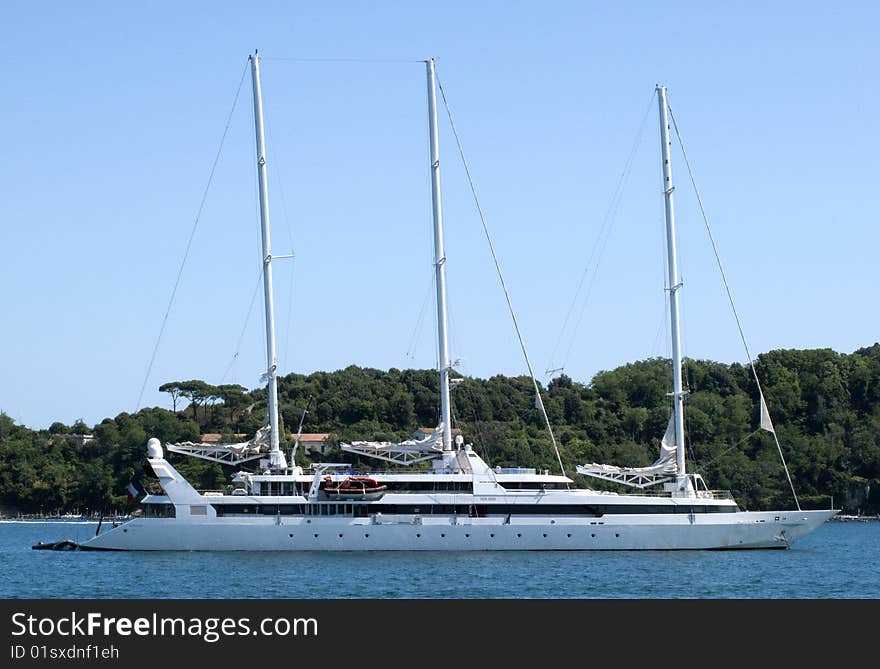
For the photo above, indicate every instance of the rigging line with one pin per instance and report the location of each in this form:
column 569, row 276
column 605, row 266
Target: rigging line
column 664, row 318
column 522, row 345
column 607, row 222
column 730, row 297
column 732, row 446
column 484, row 449
column 478, row 426
column 484, row 444
column 420, row 61
column 244, row 327
column 279, row 181
column 661, row 328
column 586, row 301
column 413, row 341
column 436, row 331
column 287, row 354
column 192, row 235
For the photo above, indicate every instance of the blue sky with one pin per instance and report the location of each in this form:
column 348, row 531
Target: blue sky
column 113, row 113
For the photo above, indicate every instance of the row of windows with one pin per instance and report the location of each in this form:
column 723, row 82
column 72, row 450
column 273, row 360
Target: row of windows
column 532, row 485
column 357, row 510
column 472, row 510
column 279, row 488
column 429, row 486
column 159, row 511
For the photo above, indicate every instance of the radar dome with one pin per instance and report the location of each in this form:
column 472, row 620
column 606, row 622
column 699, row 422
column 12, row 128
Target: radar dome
column 154, row 448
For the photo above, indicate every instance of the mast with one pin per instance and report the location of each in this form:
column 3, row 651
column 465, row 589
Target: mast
column 276, row 457
column 674, row 284
column 439, row 260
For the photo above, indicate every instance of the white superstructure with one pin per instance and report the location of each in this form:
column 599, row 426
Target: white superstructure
column 459, row 502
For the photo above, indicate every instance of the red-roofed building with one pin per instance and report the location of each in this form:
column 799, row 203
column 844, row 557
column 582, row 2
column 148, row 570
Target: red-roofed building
column 315, row 442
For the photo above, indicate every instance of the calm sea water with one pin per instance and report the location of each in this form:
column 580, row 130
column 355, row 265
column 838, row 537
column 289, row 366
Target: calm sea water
column 837, row 561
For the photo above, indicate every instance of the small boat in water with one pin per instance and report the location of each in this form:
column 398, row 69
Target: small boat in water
column 63, row 545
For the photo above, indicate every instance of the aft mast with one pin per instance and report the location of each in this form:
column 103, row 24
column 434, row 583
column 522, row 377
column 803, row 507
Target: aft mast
column 439, row 260
column 276, row 456
column 669, row 468
column 673, row 288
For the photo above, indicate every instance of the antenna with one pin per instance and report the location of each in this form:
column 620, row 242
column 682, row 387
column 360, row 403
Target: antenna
column 299, row 432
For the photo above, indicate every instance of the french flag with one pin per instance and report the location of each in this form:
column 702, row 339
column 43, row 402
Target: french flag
column 134, row 490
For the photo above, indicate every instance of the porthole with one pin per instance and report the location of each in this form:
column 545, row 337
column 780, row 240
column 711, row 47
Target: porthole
column 316, row 536
column 492, row 535
column 552, row 522
column 366, row 536
column 467, row 535
column 442, row 535
column 568, row 535
column 616, row 534
column 340, row 536
column 290, row 535
column 545, row 535
column 417, row 535
column 592, row 535
column 518, row 534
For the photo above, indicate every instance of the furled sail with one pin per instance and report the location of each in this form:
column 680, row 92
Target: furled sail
column 235, row 453
column 663, row 469
column 408, row 451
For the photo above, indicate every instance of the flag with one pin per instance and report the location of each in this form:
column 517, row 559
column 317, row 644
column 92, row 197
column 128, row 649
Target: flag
column 134, row 490
column 766, row 423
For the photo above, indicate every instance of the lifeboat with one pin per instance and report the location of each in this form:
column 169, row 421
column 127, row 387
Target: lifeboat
column 354, row 487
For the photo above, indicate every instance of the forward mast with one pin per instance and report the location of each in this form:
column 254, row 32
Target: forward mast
column 276, row 456
column 673, row 288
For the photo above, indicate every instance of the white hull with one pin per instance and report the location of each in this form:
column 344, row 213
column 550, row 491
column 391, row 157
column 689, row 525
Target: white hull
column 741, row 530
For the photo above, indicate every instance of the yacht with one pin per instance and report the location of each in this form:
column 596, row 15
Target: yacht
column 442, row 495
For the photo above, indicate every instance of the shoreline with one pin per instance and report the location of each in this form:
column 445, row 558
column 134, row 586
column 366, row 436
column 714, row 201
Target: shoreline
column 91, row 518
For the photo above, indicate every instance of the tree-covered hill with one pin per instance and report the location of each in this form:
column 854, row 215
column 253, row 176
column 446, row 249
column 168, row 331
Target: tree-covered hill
column 825, row 408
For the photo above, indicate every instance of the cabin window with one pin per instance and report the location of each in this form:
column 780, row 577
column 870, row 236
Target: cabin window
column 532, row 485
column 236, row 509
column 333, row 509
column 275, row 488
column 159, row 511
column 200, row 510
column 291, row 509
column 429, row 486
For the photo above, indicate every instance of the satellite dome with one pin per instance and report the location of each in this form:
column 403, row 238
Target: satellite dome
column 154, row 448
